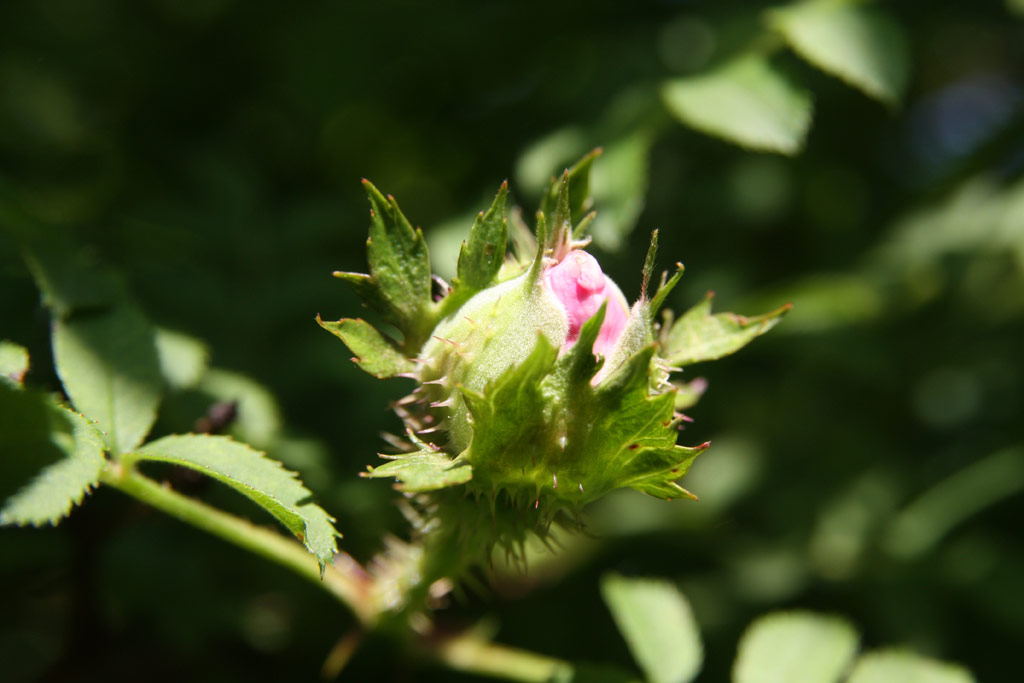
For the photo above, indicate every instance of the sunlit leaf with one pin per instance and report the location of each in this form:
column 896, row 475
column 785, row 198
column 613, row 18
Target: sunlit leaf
column 107, row 361
column 795, row 647
column 61, row 485
column 700, row 336
column 855, row 41
column 183, row 359
column 747, row 101
column 888, row 666
column 658, row 625
column 251, row 473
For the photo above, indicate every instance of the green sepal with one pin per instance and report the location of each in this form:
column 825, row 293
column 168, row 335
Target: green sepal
column 481, row 256
column 366, row 289
column 375, row 353
column 634, row 432
column 572, row 191
column 545, row 434
column 426, row 470
column 14, row 362
column 666, row 286
column 509, row 425
column 62, row 484
column 399, row 268
column 700, row 336
column 578, row 365
column 261, row 479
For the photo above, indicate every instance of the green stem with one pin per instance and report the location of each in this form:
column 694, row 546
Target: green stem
column 469, row 653
column 343, row 580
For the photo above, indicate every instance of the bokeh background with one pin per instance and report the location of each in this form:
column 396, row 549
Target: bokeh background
column 868, row 454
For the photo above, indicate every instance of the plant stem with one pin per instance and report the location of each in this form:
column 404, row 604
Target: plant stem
column 344, row 579
column 472, row 654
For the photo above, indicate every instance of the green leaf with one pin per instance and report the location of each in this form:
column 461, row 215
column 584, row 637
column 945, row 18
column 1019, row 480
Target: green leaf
column 699, row 336
column 375, row 353
column 886, row 666
column 658, row 625
column 13, row 362
column 254, row 475
column 856, row 42
column 68, row 278
column 107, row 361
column 426, row 470
column 619, row 184
column 61, row 485
column 258, row 418
column 399, row 265
column 933, row 515
column 481, row 257
column 795, row 647
column 747, row 102
column 183, row 359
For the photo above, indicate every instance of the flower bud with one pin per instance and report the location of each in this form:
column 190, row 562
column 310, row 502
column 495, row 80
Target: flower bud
column 538, row 388
column 582, row 288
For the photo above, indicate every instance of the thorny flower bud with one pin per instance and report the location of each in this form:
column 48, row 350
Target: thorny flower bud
column 538, row 388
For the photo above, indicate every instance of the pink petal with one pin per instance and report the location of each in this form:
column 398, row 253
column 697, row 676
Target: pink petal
column 581, row 286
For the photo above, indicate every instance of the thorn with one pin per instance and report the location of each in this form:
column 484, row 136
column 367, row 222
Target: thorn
column 447, row 341
column 429, row 430
column 554, row 478
column 536, row 504
column 447, row 403
column 439, row 382
column 581, row 487
column 469, row 320
column 417, row 360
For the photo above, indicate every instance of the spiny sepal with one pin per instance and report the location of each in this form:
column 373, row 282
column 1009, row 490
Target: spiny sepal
column 481, row 256
column 399, row 283
column 374, row 352
column 428, row 469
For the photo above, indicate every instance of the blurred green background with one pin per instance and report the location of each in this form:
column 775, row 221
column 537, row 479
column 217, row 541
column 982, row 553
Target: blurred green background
column 868, row 454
